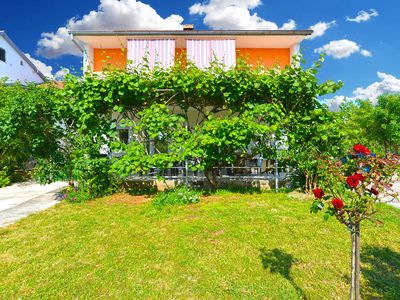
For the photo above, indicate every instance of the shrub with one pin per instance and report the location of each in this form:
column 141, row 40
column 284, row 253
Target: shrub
column 4, row 179
column 75, row 195
column 176, row 196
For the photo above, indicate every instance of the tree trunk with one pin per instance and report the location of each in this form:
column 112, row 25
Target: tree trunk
column 70, row 179
column 355, row 262
column 211, row 178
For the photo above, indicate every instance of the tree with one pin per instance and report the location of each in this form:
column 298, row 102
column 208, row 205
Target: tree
column 27, row 119
column 349, row 191
column 376, row 124
column 387, row 122
column 234, row 107
column 311, row 138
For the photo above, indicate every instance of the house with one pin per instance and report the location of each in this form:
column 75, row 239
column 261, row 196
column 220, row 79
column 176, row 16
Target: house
column 271, row 48
column 15, row 65
column 103, row 49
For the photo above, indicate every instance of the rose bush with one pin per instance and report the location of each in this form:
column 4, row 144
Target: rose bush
column 349, row 190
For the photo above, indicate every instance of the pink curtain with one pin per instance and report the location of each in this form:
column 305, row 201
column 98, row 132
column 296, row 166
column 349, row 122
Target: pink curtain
column 159, row 52
column 203, row 52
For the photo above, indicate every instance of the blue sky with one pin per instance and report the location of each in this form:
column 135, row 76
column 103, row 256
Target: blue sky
column 370, row 46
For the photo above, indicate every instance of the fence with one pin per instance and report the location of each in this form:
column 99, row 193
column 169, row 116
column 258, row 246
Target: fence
column 185, row 174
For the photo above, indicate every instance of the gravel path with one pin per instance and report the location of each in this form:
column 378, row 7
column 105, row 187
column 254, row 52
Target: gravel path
column 19, row 200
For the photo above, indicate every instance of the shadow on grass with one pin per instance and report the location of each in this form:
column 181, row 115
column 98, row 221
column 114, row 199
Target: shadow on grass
column 381, row 270
column 278, row 261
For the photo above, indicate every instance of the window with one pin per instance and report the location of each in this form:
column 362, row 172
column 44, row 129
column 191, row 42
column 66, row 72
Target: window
column 2, row 54
column 155, row 52
column 203, row 52
column 123, row 135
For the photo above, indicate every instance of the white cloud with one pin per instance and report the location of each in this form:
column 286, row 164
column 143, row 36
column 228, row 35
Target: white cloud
column 363, row 16
column 320, row 28
column 387, row 84
column 234, row 14
column 60, row 74
column 289, row 25
column 47, row 70
column 53, row 45
column 110, row 15
column 42, row 67
column 342, row 48
column 335, row 102
column 365, row 53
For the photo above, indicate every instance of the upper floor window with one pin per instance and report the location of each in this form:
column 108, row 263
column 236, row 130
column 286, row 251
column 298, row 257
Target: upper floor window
column 2, row 55
column 151, row 52
column 203, row 52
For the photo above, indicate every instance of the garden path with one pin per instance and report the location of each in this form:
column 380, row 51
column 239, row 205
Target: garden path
column 21, row 199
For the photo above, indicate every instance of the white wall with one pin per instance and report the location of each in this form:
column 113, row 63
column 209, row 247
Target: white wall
column 12, row 67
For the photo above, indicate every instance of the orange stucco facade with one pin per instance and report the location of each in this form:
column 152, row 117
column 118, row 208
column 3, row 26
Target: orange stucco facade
column 267, row 57
column 104, row 58
column 112, row 58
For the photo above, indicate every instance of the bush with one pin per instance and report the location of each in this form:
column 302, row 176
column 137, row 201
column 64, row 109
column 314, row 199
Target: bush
column 4, row 179
column 176, row 196
column 75, row 195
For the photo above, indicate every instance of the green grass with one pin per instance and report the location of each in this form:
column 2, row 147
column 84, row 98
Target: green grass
column 230, row 246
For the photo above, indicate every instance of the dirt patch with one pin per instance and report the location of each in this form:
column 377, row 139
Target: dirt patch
column 126, row 199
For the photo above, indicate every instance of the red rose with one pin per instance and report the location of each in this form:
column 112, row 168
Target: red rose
column 358, row 148
column 318, row 193
column 353, row 181
column 359, row 176
column 374, row 191
column 337, row 203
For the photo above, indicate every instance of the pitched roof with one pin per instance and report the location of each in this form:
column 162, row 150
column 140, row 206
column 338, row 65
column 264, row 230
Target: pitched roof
column 21, row 54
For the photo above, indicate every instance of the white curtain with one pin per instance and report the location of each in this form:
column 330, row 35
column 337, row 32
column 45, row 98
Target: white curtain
column 203, row 52
column 159, row 52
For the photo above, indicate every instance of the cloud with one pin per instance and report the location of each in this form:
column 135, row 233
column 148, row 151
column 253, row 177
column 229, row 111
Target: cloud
column 289, row 25
column 53, row 45
column 387, row 84
column 235, row 14
column 60, row 74
column 365, row 53
column 110, row 15
column 41, row 66
column 334, row 103
column 46, row 70
column 320, row 28
column 342, row 48
column 363, row 16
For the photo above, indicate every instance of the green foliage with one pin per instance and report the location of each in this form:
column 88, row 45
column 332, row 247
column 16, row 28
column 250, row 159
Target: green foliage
column 93, row 176
column 358, row 180
column 75, row 195
column 311, row 138
column 4, row 179
column 208, row 117
column 377, row 125
column 387, row 122
column 176, row 196
column 27, row 130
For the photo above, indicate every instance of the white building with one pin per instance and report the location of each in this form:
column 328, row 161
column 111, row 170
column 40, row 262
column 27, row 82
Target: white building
column 15, row 65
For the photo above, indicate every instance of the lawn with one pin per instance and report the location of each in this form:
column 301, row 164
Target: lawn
column 227, row 246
